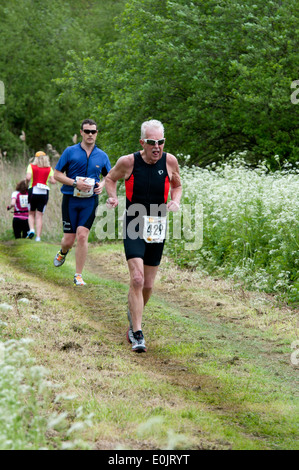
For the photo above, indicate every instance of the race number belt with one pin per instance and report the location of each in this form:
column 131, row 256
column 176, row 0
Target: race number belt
column 40, row 188
column 154, row 230
column 89, row 193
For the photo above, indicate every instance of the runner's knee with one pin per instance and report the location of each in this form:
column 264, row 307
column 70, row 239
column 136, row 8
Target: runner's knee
column 137, row 279
column 82, row 235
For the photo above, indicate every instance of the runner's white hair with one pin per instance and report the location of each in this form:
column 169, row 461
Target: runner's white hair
column 152, row 124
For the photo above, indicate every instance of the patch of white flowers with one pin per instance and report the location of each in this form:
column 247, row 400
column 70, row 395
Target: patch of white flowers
column 250, row 225
column 24, row 389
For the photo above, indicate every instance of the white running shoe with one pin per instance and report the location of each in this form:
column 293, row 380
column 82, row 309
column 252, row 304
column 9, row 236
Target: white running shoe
column 78, row 281
column 137, row 340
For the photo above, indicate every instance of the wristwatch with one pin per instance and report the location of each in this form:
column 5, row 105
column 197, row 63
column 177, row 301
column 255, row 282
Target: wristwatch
column 74, row 184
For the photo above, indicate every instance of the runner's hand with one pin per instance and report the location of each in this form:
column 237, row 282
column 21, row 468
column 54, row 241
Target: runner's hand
column 112, row 202
column 99, row 187
column 82, row 186
column 173, row 206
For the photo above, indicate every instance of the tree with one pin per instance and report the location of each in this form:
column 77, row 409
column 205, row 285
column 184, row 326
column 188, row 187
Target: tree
column 35, row 40
column 217, row 73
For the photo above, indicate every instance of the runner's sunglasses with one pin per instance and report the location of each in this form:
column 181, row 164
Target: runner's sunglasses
column 88, row 131
column 154, row 142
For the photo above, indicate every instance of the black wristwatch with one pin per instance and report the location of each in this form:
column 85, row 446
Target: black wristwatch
column 74, row 184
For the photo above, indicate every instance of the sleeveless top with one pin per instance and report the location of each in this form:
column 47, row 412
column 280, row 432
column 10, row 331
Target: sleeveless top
column 39, row 175
column 148, row 184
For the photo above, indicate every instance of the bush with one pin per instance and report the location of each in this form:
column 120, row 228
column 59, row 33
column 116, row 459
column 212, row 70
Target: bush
column 250, row 224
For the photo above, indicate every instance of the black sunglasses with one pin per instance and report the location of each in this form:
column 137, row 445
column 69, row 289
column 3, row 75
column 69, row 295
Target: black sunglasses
column 88, row 131
column 154, row 142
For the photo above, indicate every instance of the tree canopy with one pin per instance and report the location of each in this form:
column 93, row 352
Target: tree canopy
column 217, row 73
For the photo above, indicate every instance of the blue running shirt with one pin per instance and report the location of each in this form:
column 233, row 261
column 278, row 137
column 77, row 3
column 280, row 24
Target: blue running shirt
column 74, row 162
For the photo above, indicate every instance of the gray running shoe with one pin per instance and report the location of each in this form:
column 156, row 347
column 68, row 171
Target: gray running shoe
column 60, row 258
column 130, row 337
column 138, row 343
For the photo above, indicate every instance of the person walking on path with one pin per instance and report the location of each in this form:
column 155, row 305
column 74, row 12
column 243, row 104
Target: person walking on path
column 39, row 175
column 148, row 175
column 19, row 202
column 79, row 170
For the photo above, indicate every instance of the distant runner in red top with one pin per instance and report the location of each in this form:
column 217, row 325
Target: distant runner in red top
column 39, row 174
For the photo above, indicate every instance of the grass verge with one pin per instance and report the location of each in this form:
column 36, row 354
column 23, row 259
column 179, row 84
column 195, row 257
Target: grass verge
column 217, row 374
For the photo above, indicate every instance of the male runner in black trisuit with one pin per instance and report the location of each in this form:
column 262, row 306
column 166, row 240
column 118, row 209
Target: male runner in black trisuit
column 148, row 176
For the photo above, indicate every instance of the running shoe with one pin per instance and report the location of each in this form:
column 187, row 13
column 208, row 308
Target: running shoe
column 60, row 258
column 78, row 281
column 30, row 234
column 130, row 337
column 130, row 318
column 37, row 239
column 138, row 343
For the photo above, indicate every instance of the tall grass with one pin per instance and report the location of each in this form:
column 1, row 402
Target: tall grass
column 250, row 225
column 10, row 174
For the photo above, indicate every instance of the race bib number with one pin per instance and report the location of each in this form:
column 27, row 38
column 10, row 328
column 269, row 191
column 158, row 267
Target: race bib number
column 23, row 200
column 154, row 230
column 40, row 189
column 78, row 193
column 42, row 186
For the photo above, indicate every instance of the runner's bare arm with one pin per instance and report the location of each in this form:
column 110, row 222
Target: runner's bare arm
column 175, row 183
column 122, row 170
column 62, row 178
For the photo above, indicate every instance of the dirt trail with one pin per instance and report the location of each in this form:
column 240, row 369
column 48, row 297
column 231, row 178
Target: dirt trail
column 113, row 267
column 229, row 311
column 81, row 332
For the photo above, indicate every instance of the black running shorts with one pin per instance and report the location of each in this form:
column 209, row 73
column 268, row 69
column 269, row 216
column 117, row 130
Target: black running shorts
column 78, row 212
column 137, row 247
column 37, row 202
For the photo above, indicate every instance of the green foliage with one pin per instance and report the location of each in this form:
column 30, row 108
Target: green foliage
column 250, row 225
column 35, row 38
column 217, row 73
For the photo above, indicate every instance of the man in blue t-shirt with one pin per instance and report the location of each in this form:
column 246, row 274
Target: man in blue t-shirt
column 79, row 170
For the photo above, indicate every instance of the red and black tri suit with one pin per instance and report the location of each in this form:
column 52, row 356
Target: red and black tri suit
column 147, row 190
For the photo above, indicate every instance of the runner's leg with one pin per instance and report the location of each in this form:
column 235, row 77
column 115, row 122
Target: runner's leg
column 31, row 220
column 150, row 273
column 81, row 248
column 67, row 241
column 135, row 295
column 39, row 223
